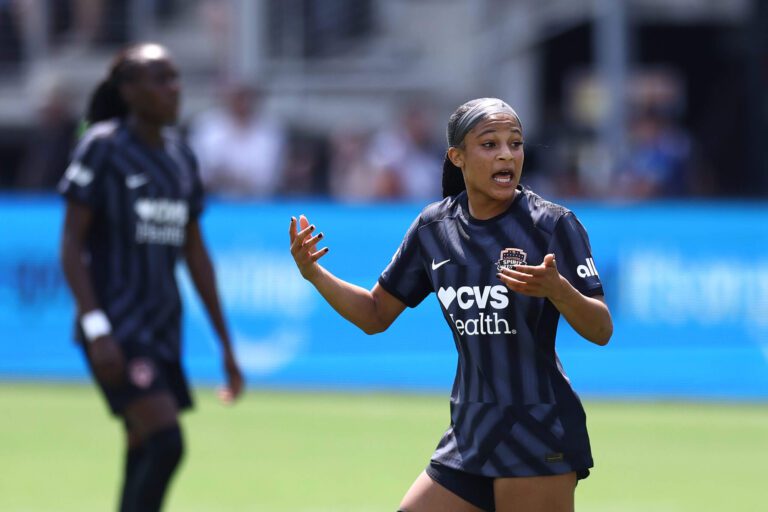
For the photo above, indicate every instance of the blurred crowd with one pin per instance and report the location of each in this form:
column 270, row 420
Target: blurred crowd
column 247, row 153
column 71, row 25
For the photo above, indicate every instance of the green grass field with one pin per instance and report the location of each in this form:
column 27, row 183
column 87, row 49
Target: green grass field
column 324, row 452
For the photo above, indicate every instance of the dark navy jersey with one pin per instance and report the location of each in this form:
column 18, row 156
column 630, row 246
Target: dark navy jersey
column 142, row 200
column 513, row 411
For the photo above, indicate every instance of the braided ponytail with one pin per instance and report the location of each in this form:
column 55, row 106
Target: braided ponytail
column 106, row 102
column 453, row 180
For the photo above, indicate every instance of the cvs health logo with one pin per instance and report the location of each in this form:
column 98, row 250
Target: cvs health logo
column 469, row 296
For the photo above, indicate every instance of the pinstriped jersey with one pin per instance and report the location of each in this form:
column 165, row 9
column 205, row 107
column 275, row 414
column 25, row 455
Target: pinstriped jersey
column 142, row 199
column 513, row 411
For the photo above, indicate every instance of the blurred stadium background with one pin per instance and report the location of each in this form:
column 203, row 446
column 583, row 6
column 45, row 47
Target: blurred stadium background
column 648, row 118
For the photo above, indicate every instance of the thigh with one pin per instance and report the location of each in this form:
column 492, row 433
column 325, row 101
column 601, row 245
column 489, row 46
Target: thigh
column 149, row 414
column 146, row 375
column 426, row 495
column 535, row 494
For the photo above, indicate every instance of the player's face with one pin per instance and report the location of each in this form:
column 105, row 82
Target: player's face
column 491, row 159
column 154, row 94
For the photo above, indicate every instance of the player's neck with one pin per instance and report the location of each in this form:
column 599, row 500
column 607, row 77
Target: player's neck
column 148, row 133
column 482, row 207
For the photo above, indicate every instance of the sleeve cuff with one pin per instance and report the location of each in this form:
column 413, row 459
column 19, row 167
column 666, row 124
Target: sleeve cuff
column 591, row 292
column 395, row 293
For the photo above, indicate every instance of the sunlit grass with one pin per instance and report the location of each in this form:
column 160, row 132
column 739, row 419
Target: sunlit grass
column 318, row 452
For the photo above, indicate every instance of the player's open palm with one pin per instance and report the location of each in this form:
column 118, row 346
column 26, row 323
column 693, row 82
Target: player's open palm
column 542, row 280
column 304, row 247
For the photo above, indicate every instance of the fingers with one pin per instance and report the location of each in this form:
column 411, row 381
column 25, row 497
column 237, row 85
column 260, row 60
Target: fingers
column 522, row 273
column 542, row 280
column 525, row 285
column 537, row 270
column 300, row 237
column 513, row 279
column 233, row 389
column 226, row 395
column 302, row 241
column 527, row 270
column 311, row 242
column 318, row 254
column 527, row 280
column 303, row 224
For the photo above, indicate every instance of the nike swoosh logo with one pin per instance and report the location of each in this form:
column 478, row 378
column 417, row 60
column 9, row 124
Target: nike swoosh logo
column 136, row 180
column 436, row 266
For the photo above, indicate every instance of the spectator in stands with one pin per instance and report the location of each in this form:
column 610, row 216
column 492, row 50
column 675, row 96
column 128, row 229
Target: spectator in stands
column 10, row 36
column 51, row 140
column 657, row 163
column 240, row 148
column 305, row 171
column 76, row 24
column 350, row 173
column 406, row 160
column 217, row 18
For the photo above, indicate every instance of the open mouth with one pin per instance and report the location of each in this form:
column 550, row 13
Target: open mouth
column 503, row 177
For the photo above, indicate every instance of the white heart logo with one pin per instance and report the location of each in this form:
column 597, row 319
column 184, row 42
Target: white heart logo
column 446, row 296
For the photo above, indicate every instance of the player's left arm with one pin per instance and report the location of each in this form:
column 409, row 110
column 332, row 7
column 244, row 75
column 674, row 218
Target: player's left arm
column 589, row 316
column 204, row 278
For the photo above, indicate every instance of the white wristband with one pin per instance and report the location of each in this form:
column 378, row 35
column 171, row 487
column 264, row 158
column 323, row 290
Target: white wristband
column 95, row 324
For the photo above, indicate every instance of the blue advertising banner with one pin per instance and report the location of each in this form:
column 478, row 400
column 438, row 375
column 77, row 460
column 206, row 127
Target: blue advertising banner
column 687, row 284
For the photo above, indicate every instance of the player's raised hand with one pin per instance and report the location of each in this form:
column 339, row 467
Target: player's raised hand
column 304, row 247
column 542, row 280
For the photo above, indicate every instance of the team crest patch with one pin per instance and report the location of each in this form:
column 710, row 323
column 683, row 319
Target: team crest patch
column 511, row 257
column 141, row 372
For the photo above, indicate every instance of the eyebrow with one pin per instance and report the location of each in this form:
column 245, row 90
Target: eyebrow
column 492, row 130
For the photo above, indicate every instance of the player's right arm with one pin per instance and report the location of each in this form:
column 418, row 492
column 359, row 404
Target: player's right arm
column 105, row 353
column 373, row 310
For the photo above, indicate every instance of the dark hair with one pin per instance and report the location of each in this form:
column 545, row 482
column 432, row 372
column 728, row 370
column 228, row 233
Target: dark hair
column 453, row 180
column 459, row 124
column 106, row 101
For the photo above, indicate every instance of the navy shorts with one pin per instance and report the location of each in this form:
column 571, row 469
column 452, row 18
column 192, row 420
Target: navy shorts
column 145, row 374
column 476, row 489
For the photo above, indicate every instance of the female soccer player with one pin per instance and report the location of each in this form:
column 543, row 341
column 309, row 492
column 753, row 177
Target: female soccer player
column 133, row 202
column 505, row 264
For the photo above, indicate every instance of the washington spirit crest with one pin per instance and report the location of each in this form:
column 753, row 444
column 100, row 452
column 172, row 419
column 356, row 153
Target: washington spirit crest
column 141, row 371
column 511, row 257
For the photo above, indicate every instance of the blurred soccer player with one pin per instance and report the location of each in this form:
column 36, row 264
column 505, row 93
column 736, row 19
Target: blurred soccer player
column 505, row 264
column 133, row 202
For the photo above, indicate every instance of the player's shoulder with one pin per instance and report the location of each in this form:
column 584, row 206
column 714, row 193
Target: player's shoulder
column 171, row 135
column 175, row 138
column 103, row 132
column 439, row 210
column 97, row 143
column 544, row 213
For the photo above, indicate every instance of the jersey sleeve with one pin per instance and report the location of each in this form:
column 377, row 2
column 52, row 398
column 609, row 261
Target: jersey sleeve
column 573, row 255
column 83, row 180
column 405, row 277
